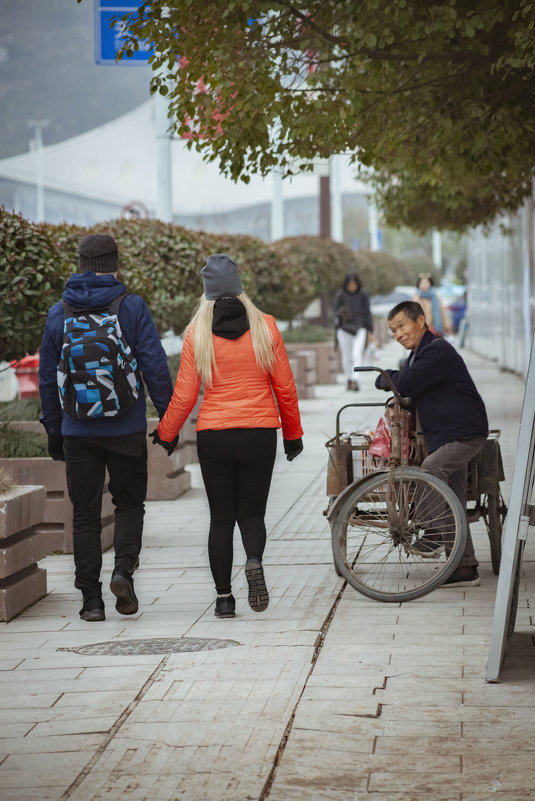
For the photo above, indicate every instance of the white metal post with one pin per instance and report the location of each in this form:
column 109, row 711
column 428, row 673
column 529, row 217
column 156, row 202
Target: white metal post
column 373, row 224
column 37, row 143
column 277, row 207
column 337, row 232
column 164, row 188
column 436, row 242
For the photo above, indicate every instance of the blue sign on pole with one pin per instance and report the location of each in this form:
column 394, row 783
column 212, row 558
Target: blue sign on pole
column 110, row 36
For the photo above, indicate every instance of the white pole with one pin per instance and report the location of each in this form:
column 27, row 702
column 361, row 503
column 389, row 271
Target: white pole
column 277, row 207
column 37, row 143
column 373, row 224
column 436, row 240
column 337, row 232
column 164, row 188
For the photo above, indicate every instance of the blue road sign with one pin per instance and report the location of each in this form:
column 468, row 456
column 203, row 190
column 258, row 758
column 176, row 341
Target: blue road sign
column 109, row 33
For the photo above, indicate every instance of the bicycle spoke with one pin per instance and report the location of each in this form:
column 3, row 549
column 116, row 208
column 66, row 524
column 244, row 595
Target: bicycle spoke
column 373, row 538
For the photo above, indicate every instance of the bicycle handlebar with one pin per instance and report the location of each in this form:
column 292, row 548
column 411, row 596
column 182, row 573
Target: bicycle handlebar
column 402, row 401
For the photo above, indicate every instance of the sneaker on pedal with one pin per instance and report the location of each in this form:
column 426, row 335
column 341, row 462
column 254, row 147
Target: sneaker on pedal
column 463, row 577
column 428, row 547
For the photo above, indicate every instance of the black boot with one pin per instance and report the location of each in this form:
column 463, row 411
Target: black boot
column 122, row 586
column 93, row 610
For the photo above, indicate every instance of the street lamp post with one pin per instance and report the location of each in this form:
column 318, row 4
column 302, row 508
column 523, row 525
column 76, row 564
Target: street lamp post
column 36, row 144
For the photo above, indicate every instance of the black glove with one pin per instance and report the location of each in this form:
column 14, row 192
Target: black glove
column 381, row 383
column 55, row 447
column 292, row 448
column 169, row 446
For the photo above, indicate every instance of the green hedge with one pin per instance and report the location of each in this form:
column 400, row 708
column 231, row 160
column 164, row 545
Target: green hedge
column 162, row 262
column 32, row 276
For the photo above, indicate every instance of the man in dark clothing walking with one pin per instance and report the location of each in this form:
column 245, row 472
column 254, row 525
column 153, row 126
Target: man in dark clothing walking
column 452, row 416
column 112, row 440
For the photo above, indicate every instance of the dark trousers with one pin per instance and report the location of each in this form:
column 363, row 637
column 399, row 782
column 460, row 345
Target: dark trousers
column 86, row 464
column 236, row 466
column 450, row 463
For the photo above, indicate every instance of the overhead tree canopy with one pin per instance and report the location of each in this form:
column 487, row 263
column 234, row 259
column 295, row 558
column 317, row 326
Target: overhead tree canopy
column 436, row 99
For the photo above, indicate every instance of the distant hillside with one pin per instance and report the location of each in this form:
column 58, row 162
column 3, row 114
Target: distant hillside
column 48, row 72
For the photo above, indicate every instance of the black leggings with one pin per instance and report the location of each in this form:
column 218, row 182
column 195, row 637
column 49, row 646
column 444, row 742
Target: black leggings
column 236, row 466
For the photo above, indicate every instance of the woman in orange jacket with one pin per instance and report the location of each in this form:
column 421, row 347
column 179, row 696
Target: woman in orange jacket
column 239, row 354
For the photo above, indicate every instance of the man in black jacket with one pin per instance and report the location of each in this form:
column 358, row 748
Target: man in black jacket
column 451, row 411
column 107, row 441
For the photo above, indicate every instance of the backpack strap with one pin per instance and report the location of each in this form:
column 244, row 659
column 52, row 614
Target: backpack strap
column 112, row 308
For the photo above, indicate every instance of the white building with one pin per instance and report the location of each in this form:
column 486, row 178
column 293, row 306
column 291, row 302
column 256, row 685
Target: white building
column 97, row 175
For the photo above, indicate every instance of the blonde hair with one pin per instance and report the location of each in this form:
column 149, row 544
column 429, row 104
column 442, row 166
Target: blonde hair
column 203, row 343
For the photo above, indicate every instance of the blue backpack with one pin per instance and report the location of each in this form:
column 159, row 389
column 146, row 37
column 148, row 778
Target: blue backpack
column 97, row 372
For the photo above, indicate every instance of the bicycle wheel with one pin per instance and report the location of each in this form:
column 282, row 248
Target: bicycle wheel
column 375, row 526
column 493, row 511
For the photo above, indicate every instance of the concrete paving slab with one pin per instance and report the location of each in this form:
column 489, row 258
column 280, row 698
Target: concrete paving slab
column 325, row 693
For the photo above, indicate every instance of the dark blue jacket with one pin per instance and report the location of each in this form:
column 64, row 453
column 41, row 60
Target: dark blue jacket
column 448, row 403
column 90, row 291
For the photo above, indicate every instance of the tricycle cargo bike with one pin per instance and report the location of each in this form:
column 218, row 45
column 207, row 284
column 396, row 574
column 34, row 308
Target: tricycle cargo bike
column 399, row 532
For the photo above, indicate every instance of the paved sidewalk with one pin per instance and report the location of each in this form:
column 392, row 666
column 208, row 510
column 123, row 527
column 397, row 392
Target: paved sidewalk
column 326, row 695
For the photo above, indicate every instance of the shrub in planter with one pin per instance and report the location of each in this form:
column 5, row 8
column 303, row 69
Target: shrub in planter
column 6, row 482
column 22, row 409
column 16, row 444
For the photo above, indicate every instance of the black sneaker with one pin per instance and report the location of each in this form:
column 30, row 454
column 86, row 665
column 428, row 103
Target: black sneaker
column 93, row 610
column 225, row 606
column 463, row 577
column 426, row 547
column 258, row 594
column 122, row 586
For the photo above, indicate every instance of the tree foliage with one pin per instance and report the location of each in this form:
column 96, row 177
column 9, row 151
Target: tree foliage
column 436, row 99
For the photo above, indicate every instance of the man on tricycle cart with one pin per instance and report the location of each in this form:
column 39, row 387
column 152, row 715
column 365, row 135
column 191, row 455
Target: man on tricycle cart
column 451, row 415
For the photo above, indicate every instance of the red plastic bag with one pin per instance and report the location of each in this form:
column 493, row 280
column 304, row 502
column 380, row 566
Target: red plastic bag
column 381, row 442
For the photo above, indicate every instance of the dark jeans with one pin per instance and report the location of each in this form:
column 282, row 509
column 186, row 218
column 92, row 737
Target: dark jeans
column 236, row 466
column 86, row 464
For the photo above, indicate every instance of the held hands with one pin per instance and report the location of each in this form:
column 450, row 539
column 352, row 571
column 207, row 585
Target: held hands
column 55, row 447
column 169, row 446
column 292, row 448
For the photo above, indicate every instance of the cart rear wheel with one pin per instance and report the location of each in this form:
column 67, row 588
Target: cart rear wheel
column 375, row 530
column 494, row 511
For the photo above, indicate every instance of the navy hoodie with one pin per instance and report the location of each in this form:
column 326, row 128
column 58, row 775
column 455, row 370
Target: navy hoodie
column 90, row 291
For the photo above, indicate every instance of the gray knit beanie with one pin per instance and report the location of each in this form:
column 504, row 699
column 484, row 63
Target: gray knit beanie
column 98, row 253
column 220, row 276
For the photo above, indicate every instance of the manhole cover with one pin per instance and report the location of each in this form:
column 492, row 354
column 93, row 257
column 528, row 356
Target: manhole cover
column 162, row 645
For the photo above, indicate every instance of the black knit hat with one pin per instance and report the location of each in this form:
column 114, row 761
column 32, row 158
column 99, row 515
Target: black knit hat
column 98, row 254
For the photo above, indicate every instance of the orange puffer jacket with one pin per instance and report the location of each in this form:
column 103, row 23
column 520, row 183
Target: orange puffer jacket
column 241, row 394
